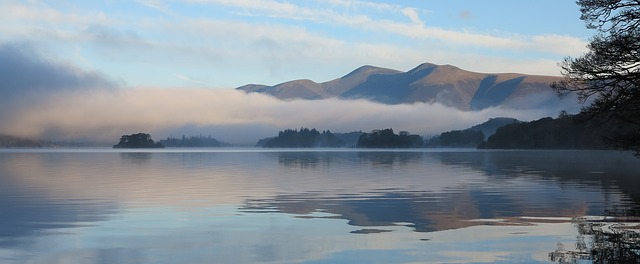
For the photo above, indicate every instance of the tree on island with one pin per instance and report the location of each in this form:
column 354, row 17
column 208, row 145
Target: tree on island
column 385, row 138
column 192, row 142
column 139, row 140
column 610, row 70
column 304, row 138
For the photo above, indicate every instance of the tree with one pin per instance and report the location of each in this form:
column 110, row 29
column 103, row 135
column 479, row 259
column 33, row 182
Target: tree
column 385, row 138
column 139, row 140
column 609, row 73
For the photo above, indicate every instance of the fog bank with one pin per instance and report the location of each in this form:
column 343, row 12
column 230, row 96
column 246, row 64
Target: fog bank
column 228, row 115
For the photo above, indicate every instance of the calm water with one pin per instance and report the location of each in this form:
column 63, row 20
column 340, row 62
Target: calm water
column 342, row 206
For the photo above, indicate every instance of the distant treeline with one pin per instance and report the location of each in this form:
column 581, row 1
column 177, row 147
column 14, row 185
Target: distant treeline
column 312, row 138
column 193, row 141
column 470, row 137
column 564, row 132
column 303, row 138
column 17, row 142
column 385, row 138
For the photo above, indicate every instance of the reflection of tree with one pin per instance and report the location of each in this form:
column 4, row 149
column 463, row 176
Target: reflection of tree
column 303, row 160
column 136, row 157
column 390, row 159
column 612, row 240
column 313, row 159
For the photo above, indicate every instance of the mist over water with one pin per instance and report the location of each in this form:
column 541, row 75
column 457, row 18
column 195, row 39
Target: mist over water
column 228, row 115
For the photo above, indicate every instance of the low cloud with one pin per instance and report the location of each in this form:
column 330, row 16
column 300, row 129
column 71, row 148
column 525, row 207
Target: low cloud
column 243, row 118
column 28, row 78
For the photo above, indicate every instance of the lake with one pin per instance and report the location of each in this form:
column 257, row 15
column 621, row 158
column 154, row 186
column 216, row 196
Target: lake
column 306, row 206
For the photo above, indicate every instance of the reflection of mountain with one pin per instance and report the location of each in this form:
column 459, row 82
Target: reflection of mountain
column 186, row 198
column 427, row 82
column 537, row 184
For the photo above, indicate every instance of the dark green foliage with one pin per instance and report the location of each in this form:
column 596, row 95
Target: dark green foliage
column 191, row 142
column 387, row 139
column 489, row 128
column 140, row 140
column 471, row 137
column 564, row 132
column 461, row 139
column 350, row 138
column 609, row 73
column 304, row 138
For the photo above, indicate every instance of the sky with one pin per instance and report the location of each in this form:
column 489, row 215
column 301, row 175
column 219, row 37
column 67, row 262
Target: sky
column 229, row 43
column 100, row 69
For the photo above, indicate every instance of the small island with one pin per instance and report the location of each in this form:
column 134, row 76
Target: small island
column 140, row 140
column 303, row 138
column 385, row 138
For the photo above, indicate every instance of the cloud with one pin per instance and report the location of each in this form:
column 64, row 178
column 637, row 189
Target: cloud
column 148, row 49
column 106, row 115
column 45, row 98
column 25, row 73
column 29, row 79
column 415, row 29
column 412, row 14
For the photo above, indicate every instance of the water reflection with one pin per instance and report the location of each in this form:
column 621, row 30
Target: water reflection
column 513, row 184
column 136, row 157
column 302, row 206
column 603, row 240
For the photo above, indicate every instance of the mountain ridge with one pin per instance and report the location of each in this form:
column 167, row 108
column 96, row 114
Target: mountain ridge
column 428, row 83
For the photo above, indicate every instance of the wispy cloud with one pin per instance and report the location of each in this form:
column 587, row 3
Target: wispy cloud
column 190, row 80
column 278, row 42
column 415, row 28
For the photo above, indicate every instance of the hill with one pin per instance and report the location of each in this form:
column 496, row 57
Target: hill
column 470, row 137
column 429, row 83
column 564, row 132
column 491, row 126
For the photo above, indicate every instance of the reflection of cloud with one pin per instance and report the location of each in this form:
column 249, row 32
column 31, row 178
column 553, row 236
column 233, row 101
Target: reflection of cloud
column 186, row 203
column 448, row 201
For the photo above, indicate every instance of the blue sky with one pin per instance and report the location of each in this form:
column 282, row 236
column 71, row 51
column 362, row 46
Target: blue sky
column 229, row 43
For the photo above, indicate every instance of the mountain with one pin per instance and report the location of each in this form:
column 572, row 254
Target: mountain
column 429, row 83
